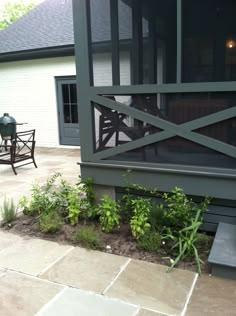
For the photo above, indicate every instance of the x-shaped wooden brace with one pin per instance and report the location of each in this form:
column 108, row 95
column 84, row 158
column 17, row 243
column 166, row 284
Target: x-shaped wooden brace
column 184, row 130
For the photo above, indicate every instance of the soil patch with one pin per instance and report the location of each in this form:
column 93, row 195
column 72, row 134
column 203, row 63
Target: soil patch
column 119, row 243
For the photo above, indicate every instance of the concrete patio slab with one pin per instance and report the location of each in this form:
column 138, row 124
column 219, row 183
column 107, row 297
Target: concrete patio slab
column 7, row 239
column 48, row 160
column 213, row 296
column 74, row 302
column 87, row 270
column 2, row 271
column 152, row 288
column 22, row 295
column 144, row 312
column 32, row 256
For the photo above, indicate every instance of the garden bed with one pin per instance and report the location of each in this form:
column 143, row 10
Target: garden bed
column 119, row 242
column 136, row 226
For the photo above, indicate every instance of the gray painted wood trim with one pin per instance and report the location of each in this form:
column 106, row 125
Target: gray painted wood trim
column 137, row 48
column 81, row 31
column 179, row 42
column 166, row 88
column 168, row 169
column 170, row 129
column 152, row 46
column 192, row 183
column 115, row 42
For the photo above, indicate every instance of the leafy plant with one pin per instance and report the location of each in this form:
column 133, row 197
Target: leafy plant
column 139, row 221
column 50, row 222
column 150, row 241
column 186, row 242
column 43, row 198
column 88, row 237
column 109, row 212
column 133, row 190
column 86, row 186
column 51, row 181
column 42, row 201
column 178, row 210
column 23, row 203
column 8, row 211
column 75, row 206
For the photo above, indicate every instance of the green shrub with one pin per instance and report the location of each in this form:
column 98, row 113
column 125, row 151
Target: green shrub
column 139, row 224
column 50, row 222
column 69, row 201
column 109, row 214
column 86, row 186
column 179, row 210
column 40, row 201
column 75, row 205
column 150, row 242
column 8, row 211
column 87, row 237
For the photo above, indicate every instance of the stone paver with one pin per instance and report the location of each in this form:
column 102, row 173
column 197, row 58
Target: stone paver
column 22, row 295
column 144, row 312
column 48, row 160
column 2, row 271
column 7, row 240
column 31, row 256
column 213, row 297
column 151, row 287
column 87, row 270
column 73, row 302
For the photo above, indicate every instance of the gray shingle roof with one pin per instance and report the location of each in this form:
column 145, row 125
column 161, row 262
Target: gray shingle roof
column 48, row 25
column 51, row 25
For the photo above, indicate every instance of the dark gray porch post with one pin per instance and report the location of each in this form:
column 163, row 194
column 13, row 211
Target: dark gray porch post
column 82, row 35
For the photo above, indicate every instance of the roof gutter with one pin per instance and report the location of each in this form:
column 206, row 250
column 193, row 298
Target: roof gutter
column 58, row 51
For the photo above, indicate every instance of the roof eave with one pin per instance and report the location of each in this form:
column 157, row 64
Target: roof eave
column 48, row 52
column 59, row 51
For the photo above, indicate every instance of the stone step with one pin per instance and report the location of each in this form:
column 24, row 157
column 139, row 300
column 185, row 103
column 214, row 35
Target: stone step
column 223, row 252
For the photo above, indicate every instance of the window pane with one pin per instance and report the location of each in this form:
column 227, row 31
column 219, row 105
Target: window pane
column 65, row 93
column 70, row 106
column 73, row 94
column 67, row 114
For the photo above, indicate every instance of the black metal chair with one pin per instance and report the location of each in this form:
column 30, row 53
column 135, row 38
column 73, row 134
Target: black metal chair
column 20, row 152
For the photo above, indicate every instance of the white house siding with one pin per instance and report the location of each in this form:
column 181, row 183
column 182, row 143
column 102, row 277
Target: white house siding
column 28, row 91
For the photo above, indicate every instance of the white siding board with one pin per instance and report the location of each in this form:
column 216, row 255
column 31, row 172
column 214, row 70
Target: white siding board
column 28, row 91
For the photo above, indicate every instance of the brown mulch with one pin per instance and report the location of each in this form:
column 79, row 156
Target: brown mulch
column 119, row 243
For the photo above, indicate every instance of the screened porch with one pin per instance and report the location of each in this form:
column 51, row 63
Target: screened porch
column 168, row 109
